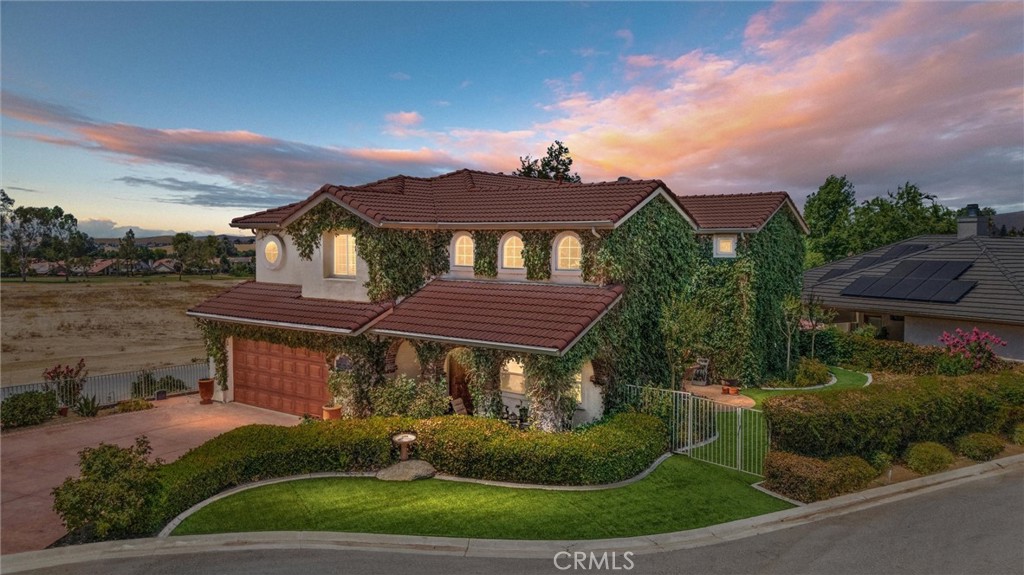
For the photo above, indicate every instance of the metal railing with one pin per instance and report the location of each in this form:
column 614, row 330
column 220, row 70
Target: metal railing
column 114, row 387
column 726, row 435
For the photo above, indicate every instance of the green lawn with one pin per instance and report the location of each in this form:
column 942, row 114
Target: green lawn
column 845, row 379
column 681, row 494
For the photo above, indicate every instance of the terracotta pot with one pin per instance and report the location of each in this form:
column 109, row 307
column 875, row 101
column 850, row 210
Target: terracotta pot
column 332, row 412
column 725, row 390
column 734, row 391
column 62, row 411
column 205, row 391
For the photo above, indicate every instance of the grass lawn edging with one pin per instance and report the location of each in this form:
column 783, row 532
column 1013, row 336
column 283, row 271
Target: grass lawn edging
column 170, row 527
column 832, row 379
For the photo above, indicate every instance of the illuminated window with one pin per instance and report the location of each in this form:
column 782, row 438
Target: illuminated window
column 464, row 250
column 512, row 253
column 569, row 253
column 344, row 255
column 725, row 246
column 512, row 379
column 273, row 252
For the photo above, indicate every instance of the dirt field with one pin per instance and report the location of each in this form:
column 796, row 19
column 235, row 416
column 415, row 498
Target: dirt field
column 117, row 324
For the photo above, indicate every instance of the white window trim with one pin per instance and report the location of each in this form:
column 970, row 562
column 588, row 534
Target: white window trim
column 501, row 253
column 720, row 254
column 280, row 252
column 555, row 270
column 455, row 242
column 329, row 245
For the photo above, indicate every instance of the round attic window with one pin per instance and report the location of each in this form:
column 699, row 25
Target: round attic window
column 273, row 252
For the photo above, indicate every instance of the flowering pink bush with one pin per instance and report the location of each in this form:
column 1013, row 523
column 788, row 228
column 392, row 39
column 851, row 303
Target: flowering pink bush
column 974, row 347
column 67, row 381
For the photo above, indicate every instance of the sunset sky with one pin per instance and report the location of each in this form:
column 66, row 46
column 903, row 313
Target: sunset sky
column 180, row 116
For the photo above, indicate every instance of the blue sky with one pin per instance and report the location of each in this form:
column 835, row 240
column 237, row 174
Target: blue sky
column 180, row 116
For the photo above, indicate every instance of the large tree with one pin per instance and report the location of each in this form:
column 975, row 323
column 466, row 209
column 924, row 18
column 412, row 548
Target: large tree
column 63, row 228
column 556, row 165
column 24, row 230
column 184, row 252
column 829, row 212
column 128, row 252
column 895, row 217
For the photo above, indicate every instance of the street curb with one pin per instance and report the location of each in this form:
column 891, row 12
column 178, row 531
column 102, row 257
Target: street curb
column 521, row 549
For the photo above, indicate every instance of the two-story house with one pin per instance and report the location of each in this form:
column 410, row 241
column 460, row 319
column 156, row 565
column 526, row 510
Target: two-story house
column 535, row 278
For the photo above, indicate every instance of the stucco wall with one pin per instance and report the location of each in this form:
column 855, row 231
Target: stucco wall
column 589, row 409
column 406, row 362
column 926, row 331
column 310, row 274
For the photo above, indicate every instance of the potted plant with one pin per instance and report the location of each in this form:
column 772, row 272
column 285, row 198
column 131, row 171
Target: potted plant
column 206, row 391
column 336, row 386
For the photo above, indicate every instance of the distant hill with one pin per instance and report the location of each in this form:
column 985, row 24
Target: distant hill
column 165, row 241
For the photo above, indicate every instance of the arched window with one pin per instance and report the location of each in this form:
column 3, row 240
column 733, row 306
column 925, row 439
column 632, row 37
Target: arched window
column 512, row 252
column 464, row 250
column 568, row 253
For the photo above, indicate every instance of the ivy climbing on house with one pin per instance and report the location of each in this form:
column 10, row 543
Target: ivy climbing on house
column 537, row 253
column 485, row 253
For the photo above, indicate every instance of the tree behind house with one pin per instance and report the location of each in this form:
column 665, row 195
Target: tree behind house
column 556, row 165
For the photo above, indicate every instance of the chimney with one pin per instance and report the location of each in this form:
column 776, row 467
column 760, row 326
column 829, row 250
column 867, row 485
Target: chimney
column 972, row 223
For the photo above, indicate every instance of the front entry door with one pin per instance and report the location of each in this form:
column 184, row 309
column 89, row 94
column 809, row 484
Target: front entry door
column 458, row 383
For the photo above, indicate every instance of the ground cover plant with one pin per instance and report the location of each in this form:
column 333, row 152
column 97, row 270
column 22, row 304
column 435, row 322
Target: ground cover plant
column 681, row 494
column 845, row 379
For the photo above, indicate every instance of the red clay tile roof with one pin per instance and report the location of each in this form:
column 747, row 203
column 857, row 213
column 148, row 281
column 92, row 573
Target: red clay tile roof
column 543, row 318
column 471, row 197
column 268, row 303
column 734, row 211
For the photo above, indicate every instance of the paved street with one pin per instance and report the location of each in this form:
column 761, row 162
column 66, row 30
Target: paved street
column 34, row 461
column 977, row 527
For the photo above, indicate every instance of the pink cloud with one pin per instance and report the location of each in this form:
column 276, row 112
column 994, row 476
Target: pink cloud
column 406, row 119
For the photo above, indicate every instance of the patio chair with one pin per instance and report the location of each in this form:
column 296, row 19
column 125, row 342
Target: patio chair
column 698, row 373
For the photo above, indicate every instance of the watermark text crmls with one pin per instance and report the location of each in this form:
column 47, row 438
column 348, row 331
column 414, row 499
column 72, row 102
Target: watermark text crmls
column 593, row 561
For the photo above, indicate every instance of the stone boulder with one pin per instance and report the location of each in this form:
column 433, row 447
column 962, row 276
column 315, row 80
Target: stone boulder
column 409, row 470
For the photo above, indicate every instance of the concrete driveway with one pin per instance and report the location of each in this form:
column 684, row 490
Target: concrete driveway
column 34, row 461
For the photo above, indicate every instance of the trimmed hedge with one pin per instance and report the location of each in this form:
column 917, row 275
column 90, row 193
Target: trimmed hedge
column 890, row 416
column 928, row 457
column 979, row 446
column 808, row 479
column 834, row 347
column 489, row 449
column 459, row 445
column 810, row 373
column 28, row 408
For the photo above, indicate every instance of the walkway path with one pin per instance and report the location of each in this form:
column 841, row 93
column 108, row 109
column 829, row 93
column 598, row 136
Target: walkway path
column 34, row 461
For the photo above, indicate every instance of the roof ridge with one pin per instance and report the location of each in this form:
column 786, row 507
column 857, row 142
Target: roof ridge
column 769, row 193
column 1010, row 277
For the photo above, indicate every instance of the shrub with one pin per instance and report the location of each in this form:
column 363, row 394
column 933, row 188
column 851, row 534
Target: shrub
column 974, row 346
column 890, row 416
column 490, row 449
column 87, row 406
column 979, row 446
column 928, row 457
column 808, row 479
column 953, row 365
column 28, row 408
column 146, row 385
column 405, row 396
column 1018, row 434
column 811, row 372
column 115, row 494
column 135, row 404
column 881, row 461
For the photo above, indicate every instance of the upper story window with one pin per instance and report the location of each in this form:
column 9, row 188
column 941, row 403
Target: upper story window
column 463, row 250
column 725, row 245
column 568, row 252
column 273, row 252
column 344, row 254
column 512, row 252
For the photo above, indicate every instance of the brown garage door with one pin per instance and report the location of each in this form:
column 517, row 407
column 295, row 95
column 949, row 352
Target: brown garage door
column 279, row 377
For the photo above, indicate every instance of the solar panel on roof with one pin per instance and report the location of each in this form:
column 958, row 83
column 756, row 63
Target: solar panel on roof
column 833, row 273
column 903, row 269
column 879, row 287
column 865, row 263
column 926, row 269
column 902, row 251
column 927, row 289
column 951, row 270
column 859, row 285
column 903, row 288
column 953, row 291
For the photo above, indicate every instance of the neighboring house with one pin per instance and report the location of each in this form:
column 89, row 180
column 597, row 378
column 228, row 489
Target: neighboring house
column 103, row 267
column 45, row 268
column 530, row 276
column 919, row 288
column 163, row 266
